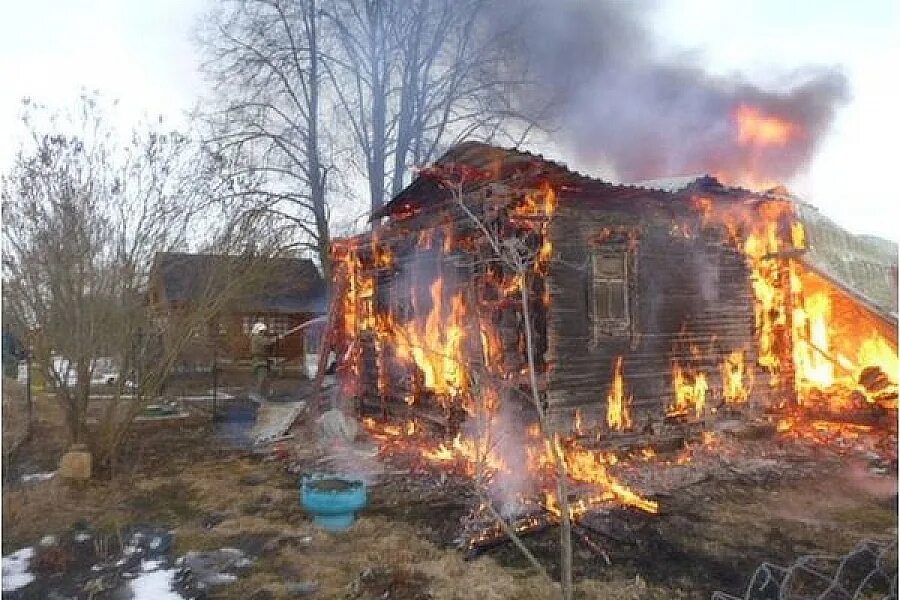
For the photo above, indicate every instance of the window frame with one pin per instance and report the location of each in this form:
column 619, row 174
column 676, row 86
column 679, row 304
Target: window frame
column 610, row 326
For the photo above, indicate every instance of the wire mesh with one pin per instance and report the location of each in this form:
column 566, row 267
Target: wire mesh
column 868, row 572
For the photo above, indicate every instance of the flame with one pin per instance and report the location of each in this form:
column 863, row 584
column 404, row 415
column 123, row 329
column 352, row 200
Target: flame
column 618, row 411
column 590, row 467
column 475, row 455
column 811, row 362
column 798, row 235
column 754, row 128
column 435, row 343
column 429, row 342
column 796, row 319
column 648, row 454
column 689, row 391
column 579, row 423
column 734, row 374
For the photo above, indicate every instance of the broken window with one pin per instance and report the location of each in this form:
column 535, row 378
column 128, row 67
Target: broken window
column 609, row 291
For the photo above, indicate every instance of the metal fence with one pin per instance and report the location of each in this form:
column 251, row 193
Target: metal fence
column 867, row 572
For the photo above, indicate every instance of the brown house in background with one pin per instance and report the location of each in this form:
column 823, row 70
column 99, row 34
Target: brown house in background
column 280, row 292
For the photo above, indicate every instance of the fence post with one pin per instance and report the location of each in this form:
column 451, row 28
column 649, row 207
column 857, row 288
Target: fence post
column 215, row 381
column 29, row 406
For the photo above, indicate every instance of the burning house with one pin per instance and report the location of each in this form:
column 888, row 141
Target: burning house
column 651, row 305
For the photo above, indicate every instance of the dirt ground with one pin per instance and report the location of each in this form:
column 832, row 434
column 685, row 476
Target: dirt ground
column 709, row 536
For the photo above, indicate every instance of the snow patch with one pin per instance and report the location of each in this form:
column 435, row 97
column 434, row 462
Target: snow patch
column 154, row 585
column 35, row 477
column 151, row 565
column 15, row 569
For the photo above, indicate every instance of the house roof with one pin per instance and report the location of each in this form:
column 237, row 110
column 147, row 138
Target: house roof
column 857, row 264
column 506, row 162
column 863, row 266
column 676, row 184
column 274, row 285
column 525, row 167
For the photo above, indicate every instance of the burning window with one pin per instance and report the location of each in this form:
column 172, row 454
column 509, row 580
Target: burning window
column 609, row 291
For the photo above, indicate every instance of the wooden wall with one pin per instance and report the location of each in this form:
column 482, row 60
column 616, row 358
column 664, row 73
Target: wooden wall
column 685, row 287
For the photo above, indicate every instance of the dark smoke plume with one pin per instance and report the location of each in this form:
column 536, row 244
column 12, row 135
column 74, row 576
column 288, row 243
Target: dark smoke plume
column 614, row 99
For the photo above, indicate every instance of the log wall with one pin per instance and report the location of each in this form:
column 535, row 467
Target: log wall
column 686, row 287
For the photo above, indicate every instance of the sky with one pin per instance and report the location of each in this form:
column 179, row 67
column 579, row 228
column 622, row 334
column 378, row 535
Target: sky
column 141, row 53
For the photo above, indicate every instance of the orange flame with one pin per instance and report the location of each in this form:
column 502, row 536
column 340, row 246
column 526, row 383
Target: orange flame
column 689, row 391
column 757, row 129
column 618, row 410
column 734, row 372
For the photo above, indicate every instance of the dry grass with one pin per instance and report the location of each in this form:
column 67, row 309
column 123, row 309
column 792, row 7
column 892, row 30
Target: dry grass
column 789, row 518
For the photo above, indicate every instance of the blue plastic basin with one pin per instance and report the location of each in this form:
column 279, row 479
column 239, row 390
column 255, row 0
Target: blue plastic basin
column 332, row 500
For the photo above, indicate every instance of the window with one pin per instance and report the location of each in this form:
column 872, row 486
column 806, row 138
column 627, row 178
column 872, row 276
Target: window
column 610, row 312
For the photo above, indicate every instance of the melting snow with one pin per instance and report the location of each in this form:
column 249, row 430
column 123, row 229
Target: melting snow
column 15, row 570
column 154, row 585
column 35, row 477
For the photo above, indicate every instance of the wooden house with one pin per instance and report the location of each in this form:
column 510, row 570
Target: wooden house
column 280, row 292
column 649, row 304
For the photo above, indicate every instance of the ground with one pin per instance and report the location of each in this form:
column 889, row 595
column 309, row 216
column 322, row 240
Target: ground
column 212, row 494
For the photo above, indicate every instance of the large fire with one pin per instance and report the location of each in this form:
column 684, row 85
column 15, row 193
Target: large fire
column 454, row 348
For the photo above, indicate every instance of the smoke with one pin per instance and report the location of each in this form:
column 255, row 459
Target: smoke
column 505, row 434
column 611, row 97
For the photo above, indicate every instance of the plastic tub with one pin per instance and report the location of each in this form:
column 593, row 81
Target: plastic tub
column 333, row 500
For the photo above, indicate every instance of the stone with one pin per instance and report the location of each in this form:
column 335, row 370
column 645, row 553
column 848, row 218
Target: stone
column 300, row 589
column 263, row 593
column 255, row 478
column 213, row 568
column 336, row 426
column 75, row 465
column 212, row 519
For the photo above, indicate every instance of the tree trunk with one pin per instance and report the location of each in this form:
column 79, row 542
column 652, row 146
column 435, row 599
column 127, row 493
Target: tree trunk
column 378, row 63
column 317, row 181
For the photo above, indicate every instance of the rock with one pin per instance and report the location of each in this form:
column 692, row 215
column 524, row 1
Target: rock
column 256, row 478
column 300, row 589
column 148, row 542
column 263, row 593
column 212, row 519
column 203, row 570
column 336, row 426
column 75, row 465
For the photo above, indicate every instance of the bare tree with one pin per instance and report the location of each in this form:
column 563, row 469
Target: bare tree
column 411, row 77
column 265, row 59
column 84, row 216
column 470, row 194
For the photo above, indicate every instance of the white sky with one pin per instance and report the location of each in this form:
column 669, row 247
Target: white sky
column 140, row 52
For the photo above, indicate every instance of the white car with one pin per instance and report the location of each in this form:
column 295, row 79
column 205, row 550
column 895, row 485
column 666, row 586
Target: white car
column 104, row 372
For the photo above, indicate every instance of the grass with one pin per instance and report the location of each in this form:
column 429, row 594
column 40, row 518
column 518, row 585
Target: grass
column 389, row 550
